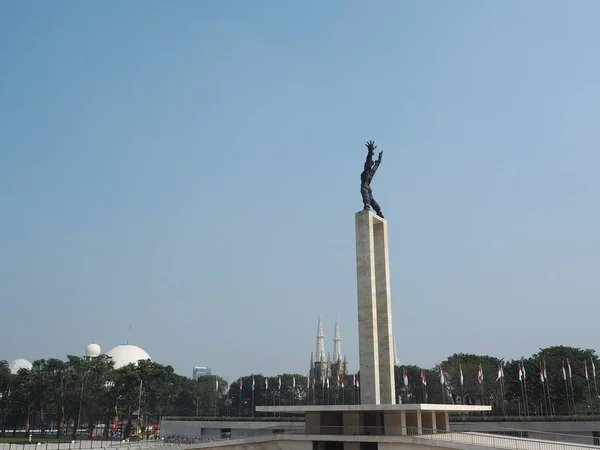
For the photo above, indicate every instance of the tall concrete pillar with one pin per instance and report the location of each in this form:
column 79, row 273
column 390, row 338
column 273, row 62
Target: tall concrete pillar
column 376, row 351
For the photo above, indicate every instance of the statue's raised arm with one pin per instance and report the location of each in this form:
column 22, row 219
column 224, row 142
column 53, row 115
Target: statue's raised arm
column 366, row 177
column 370, row 150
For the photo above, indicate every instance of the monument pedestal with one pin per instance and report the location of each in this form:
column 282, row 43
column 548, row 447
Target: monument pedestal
column 375, row 335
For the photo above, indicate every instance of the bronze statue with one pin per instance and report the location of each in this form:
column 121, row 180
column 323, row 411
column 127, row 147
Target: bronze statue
column 365, row 179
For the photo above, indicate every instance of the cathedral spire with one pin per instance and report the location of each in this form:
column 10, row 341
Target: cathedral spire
column 337, row 343
column 320, row 354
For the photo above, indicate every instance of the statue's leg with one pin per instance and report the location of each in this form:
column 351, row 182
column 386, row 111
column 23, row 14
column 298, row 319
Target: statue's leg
column 366, row 197
column 376, row 207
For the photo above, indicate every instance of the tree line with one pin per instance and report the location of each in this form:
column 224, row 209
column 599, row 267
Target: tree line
column 80, row 396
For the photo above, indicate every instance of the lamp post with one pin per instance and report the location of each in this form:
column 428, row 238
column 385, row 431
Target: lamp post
column 80, row 403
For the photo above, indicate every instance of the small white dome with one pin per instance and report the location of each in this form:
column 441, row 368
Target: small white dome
column 126, row 354
column 92, row 350
column 19, row 364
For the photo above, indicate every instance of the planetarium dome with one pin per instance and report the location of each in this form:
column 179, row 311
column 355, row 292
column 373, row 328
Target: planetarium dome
column 19, row 364
column 127, row 354
column 93, row 350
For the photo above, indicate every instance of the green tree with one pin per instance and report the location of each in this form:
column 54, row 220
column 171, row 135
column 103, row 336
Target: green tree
column 5, row 384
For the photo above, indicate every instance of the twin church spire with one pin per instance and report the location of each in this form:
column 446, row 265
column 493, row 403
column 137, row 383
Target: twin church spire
column 322, row 365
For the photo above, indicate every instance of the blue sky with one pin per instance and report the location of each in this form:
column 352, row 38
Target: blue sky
column 192, row 169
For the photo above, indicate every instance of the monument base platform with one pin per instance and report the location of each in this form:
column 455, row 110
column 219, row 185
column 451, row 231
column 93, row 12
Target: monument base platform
column 389, row 420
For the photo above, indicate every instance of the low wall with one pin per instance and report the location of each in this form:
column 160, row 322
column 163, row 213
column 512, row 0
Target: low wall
column 589, row 431
column 218, row 429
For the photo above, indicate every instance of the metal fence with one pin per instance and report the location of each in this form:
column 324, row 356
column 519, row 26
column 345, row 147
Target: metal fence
column 83, row 445
column 498, row 439
column 578, row 439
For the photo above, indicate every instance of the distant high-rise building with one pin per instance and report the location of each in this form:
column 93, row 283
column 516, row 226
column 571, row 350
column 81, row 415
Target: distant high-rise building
column 200, row 372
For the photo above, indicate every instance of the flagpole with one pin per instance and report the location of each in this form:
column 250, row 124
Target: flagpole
column 480, row 378
column 545, row 398
column 588, row 384
column 543, row 380
column 521, row 377
column 502, row 390
column 240, row 399
column 525, row 384
column 589, row 393
column 568, row 401
column 551, row 409
column 405, row 376
column 595, row 381
column 216, row 393
column 443, row 381
column 571, row 383
column 564, row 372
column 253, row 396
column 462, row 386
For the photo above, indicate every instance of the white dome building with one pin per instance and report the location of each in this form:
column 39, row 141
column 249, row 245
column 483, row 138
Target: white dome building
column 19, row 364
column 93, row 350
column 127, row 354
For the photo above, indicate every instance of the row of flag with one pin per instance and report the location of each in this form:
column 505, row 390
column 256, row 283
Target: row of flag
column 500, row 373
column 341, row 381
column 356, row 382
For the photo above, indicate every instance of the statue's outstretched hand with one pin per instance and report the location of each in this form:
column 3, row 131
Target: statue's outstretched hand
column 380, row 153
column 371, row 146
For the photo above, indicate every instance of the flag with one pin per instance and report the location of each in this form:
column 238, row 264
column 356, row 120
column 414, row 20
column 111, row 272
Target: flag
column 61, row 426
column 279, row 381
column 499, row 373
column 523, row 368
column 593, row 368
column 564, row 371
column 354, row 380
column 293, row 381
column 253, row 382
column 405, row 377
column 308, row 382
column 267, row 383
column 27, row 426
column 217, row 383
column 545, row 373
column 241, row 384
column 358, row 381
column 541, row 373
column 480, row 374
column 423, row 377
column 343, row 381
column 585, row 369
column 520, row 372
column 442, row 377
column 462, row 380
column 115, row 423
column 569, row 367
